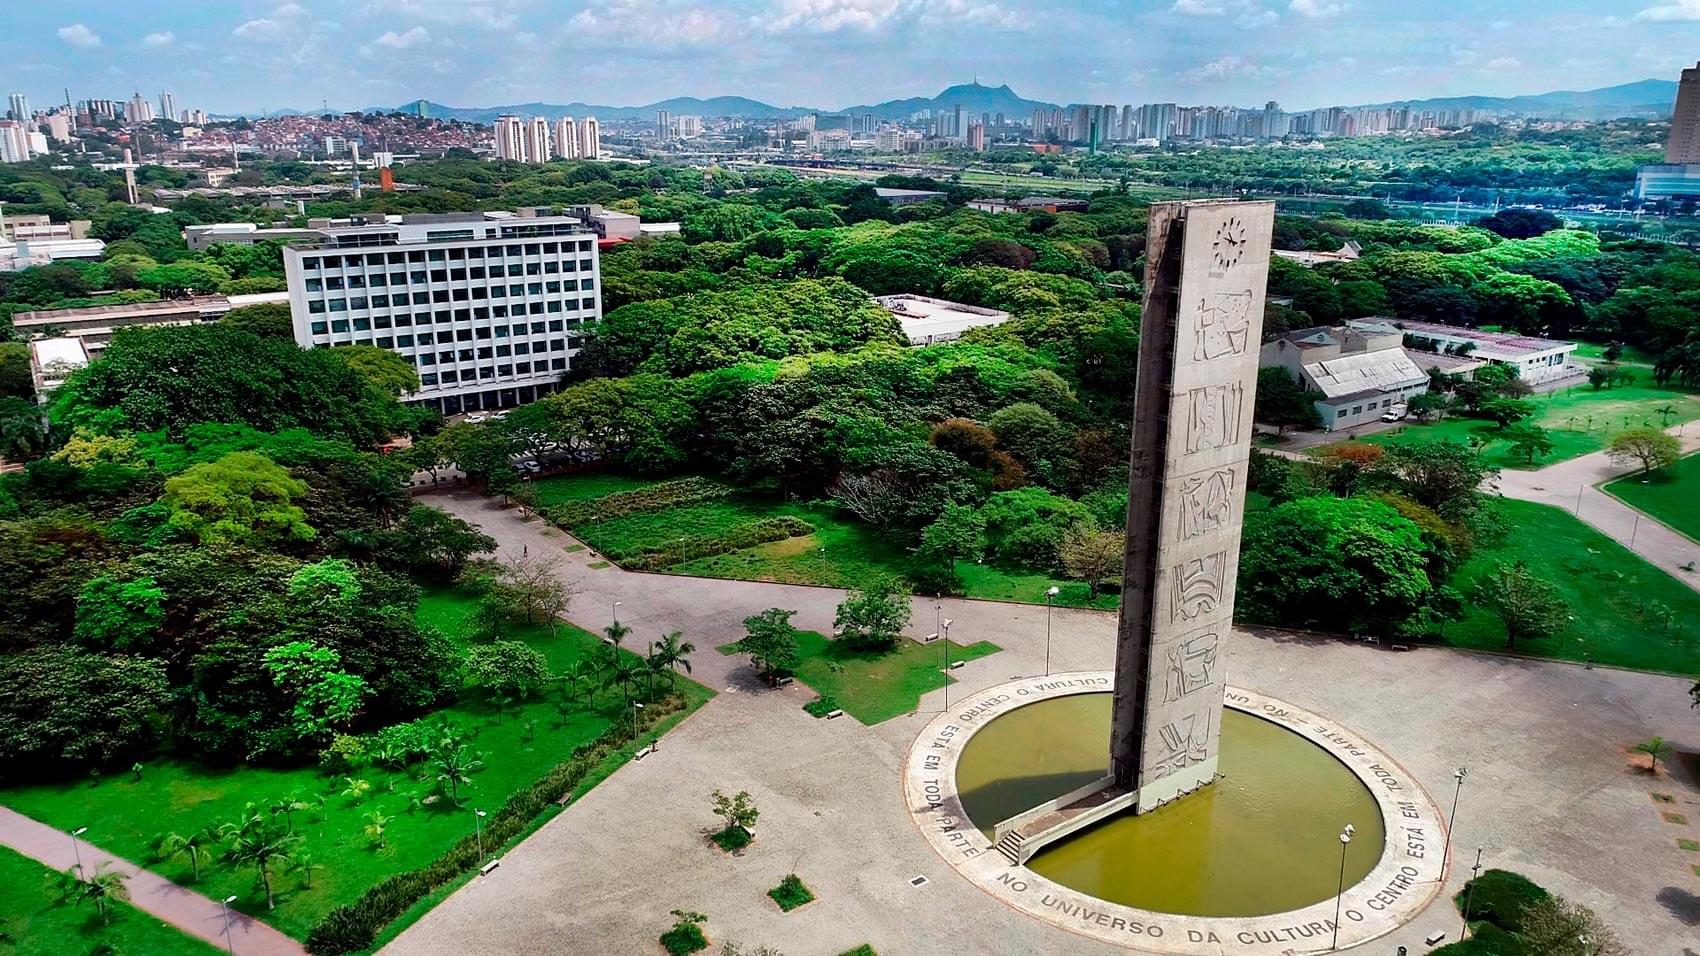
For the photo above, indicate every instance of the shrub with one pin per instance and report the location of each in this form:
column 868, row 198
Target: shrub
column 656, row 557
column 791, row 893
column 686, row 935
column 732, row 839
column 1499, row 897
column 1487, row 940
column 656, row 497
column 821, row 706
column 356, row 925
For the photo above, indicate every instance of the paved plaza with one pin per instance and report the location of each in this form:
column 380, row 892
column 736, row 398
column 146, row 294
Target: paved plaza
column 1550, row 791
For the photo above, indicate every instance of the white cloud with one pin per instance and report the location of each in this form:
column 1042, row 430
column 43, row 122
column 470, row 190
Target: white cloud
column 402, row 41
column 1199, row 8
column 1317, row 9
column 828, row 16
column 79, row 36
column 163, row 38
column 260, row 30
column 1504, row 63
column 488, row 14
column 288, row 10
column 973, row 13
column 1254, row 21
column 1685, row 10
column 1227, row 67
column 649, row 24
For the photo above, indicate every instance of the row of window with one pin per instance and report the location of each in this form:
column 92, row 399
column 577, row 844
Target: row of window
column 444, row 255
column 451, row 376
column 441, row 296
column 459, row 335
column 458, row 274
column 491, row 352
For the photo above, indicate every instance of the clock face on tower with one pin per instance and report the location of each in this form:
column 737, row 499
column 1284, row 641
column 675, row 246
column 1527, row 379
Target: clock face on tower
column 1229, row 245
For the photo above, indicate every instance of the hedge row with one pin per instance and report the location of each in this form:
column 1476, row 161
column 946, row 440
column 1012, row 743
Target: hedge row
column 656, row 557
column 356, row 925
column 667, row 494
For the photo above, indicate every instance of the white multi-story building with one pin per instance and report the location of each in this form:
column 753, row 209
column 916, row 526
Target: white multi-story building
column 489, row 307
column 14, row 142
column 18, row 107
column 167, row 106
column 589, row 139
column 566, row 138
column 138, row 109
column 510, row 138
column 537, row 140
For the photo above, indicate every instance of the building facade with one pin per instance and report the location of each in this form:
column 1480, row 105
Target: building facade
column 537, row 140
column 1535, row 360
column 489, row 308
column 566, row 138
column 1361, row 370
column 1684, row 144
column 510, row 138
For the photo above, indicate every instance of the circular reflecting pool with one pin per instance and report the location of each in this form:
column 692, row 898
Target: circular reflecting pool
column 1263, row 839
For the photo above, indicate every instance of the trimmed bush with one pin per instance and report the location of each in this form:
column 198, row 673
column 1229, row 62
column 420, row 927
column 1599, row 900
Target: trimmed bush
column 684, row 938
column 656, row 497
column 1488, row 940
column 1499, row 897
column 654, row 558
column 732, row 838
column 791, row 893
column 821, row 706
column 355, row 926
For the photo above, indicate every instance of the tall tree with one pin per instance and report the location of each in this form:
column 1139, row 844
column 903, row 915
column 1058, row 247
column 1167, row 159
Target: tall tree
column 1529, row 607
column 1650, row 447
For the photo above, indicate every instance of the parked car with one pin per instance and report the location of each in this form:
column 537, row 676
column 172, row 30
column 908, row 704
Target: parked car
column 1397, row 413
column 477, row 419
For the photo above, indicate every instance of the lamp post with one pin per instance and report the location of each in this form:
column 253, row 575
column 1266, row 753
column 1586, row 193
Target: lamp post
column 1340, row 890
column 76, row 853
column 478, row 828
column 229, row 944
column 1469, row 893
column 944, row 638
column 617, row 612
column 1050, row 599
column 1446, row 852
column 635, row 708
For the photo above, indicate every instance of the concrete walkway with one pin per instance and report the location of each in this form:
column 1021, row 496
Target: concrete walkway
column 1564, row 809
column 151, row 893
column 1574, row 486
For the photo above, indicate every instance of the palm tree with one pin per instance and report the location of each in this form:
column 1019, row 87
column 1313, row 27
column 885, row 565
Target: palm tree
column 671, row 654
column 1665, row 412
column 616, row 632
column 376, row 822
column 1655, row 748
column 304, row 865
column 455, row 768
column 356, row 789
column 100, row 888
column 580, row 672
column 287, row 806
column 624, row 672
column 392, row 757
column 261, row 843
column 196, row 848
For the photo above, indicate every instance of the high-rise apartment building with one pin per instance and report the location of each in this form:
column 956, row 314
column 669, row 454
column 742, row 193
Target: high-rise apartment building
column 566, row 138
column 138, row 109
column 167, row 106
column 510, row 138
column 537, row 140
column 18, row 107
column 977, row 137
column 589, row 139
column 14, row 142
column 489, row 307
column 1684, row 144
column 664, row 126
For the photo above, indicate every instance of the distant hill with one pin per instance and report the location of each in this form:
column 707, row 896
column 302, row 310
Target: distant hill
column 1643, row 98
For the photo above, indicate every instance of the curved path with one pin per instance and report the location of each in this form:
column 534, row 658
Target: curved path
column 183, row 908
column 602, row 876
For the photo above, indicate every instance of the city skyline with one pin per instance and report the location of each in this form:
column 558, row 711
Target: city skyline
column 1305, row 53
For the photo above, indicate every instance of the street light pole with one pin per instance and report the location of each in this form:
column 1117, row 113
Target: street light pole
column 1446, row 853
column 1340, row 889
column 617, row 612
column 635, row 708
column 478, row 828
column 1050, row 599
column 229, row 944
column 944, row 638
column 1469, row 894
column 77, row 853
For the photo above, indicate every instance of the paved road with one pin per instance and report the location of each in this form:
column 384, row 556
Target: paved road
column 183, row 908
column 1574, row 486
column 1549, row 792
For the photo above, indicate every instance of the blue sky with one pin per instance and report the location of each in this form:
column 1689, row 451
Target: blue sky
column 266, row 54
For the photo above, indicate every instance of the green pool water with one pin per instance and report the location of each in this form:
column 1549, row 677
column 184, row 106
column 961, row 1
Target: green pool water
column 1263, row 839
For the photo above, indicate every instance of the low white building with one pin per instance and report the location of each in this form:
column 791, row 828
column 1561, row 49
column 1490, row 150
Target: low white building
column 53, row 360
column 1361, row 373
column 1535, row 360
column 930, row 321
column 1310, row 259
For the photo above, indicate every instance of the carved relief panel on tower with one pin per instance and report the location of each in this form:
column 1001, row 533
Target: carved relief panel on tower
column 1197, row 586
column 1189, row 666
column 1213, row 416
column 1206, row 503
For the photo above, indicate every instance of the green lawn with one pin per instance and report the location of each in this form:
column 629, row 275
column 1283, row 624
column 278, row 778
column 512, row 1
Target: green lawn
column 1578, row 419
column 1614, row 620
column 32, row 925
column 583, row 487
column 842, row 551
column 873, row 686
column 124, row 814
column 1671, row 495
